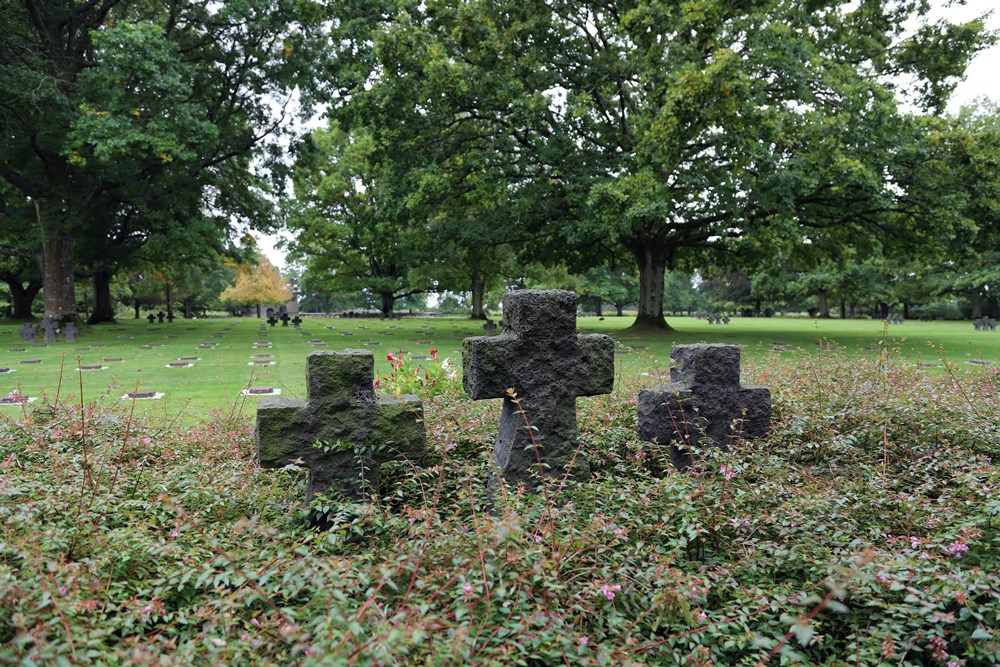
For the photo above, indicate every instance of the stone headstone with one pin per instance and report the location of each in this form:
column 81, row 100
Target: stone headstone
column 296, row 321
column 538, row 366
column 151, row 318
column 341, row 411
column 71, row 331
column 284, row 319
column 49, row 327
column 490, row 328
column 28, row 332
column 160, row 315
column 272, row 320
column 703, row 404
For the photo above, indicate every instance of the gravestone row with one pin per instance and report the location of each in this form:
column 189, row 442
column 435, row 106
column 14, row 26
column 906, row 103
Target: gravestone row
column 539, row 365
column 50, row 328
column 985, row 324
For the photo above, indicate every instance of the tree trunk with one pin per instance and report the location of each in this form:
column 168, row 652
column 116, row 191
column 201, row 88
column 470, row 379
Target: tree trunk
column 906, row 311
column 850, row 313
column 756, row 307
column 104, row 310
column 136, row 306
column 883, row 310
column 994, row 307
column 22, row 297
column 598, row 306
column 977, row 304
column 189, row 308
column 824, row 303
column 843, row 309
column 619, row 307
column 387, row 303
column 58, row 281
column 651, row 256
column 478, row 295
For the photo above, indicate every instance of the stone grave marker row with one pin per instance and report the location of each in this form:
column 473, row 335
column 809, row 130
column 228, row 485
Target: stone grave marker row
column 539, row 365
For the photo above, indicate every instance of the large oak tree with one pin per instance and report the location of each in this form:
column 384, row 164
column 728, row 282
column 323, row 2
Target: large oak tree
column 667, row 128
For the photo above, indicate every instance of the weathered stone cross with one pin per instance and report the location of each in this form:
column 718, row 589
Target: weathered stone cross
column 541, row 359
column 341, row 411
column 704, row 399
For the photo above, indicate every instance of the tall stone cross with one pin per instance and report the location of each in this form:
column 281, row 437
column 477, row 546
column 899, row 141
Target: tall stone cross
column 341, row 411
column 538, row 366
column 703, row 402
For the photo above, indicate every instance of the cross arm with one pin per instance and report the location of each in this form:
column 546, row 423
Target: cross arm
column 399, row 431
column 277, row 434
column 595, row 370
column 486, row 365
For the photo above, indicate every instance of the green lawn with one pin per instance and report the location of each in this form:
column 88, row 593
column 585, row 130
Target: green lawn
column 218, row 376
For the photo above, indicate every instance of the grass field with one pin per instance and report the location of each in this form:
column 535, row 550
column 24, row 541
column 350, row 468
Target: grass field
column 215, row 380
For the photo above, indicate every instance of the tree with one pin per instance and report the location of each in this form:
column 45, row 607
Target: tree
column 664, row 127
column 129, row 119
column 256, row 285
column 352, row 218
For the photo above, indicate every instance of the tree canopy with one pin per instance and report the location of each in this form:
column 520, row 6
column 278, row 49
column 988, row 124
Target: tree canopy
column 663, row 129
column 127, row 120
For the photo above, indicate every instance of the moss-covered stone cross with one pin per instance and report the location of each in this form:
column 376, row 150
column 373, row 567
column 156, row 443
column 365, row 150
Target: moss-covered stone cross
column 538, row 365
column 341, row 411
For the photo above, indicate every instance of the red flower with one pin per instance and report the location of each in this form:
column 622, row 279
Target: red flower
column 389, row 357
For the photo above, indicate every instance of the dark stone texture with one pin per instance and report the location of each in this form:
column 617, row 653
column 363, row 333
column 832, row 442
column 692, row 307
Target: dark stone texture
column 540, row 356
column 703, row 400
column 341, row 411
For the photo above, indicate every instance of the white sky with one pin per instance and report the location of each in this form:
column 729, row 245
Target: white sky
column 982, row 79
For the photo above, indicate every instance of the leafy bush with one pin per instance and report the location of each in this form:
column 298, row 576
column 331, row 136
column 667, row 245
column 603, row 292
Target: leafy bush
column 427, row 378
column 862, row 530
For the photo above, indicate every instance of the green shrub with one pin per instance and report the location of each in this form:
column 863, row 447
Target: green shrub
column 862, row 530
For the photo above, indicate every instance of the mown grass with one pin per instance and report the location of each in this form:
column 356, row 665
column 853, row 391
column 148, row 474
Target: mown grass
column 862, row 530
column 214, row 383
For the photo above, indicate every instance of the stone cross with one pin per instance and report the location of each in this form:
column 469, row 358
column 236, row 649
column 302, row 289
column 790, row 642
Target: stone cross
column 49, row 326
column 538, row 366
column 490, row 327
column 272, row 320
column 704, row 401
column 341, row 411
column 28, row 332
column 71, row 331
column 151, row 318
column 284, row 319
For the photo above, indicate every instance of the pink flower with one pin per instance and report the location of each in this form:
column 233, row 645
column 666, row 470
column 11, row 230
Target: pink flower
column 727, row 471
column 389, row 357
column 957, row 548
column 468, row 588
column 583, row 640
column 609, row 591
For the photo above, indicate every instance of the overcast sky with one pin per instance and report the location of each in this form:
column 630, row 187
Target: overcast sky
column 982, row 80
